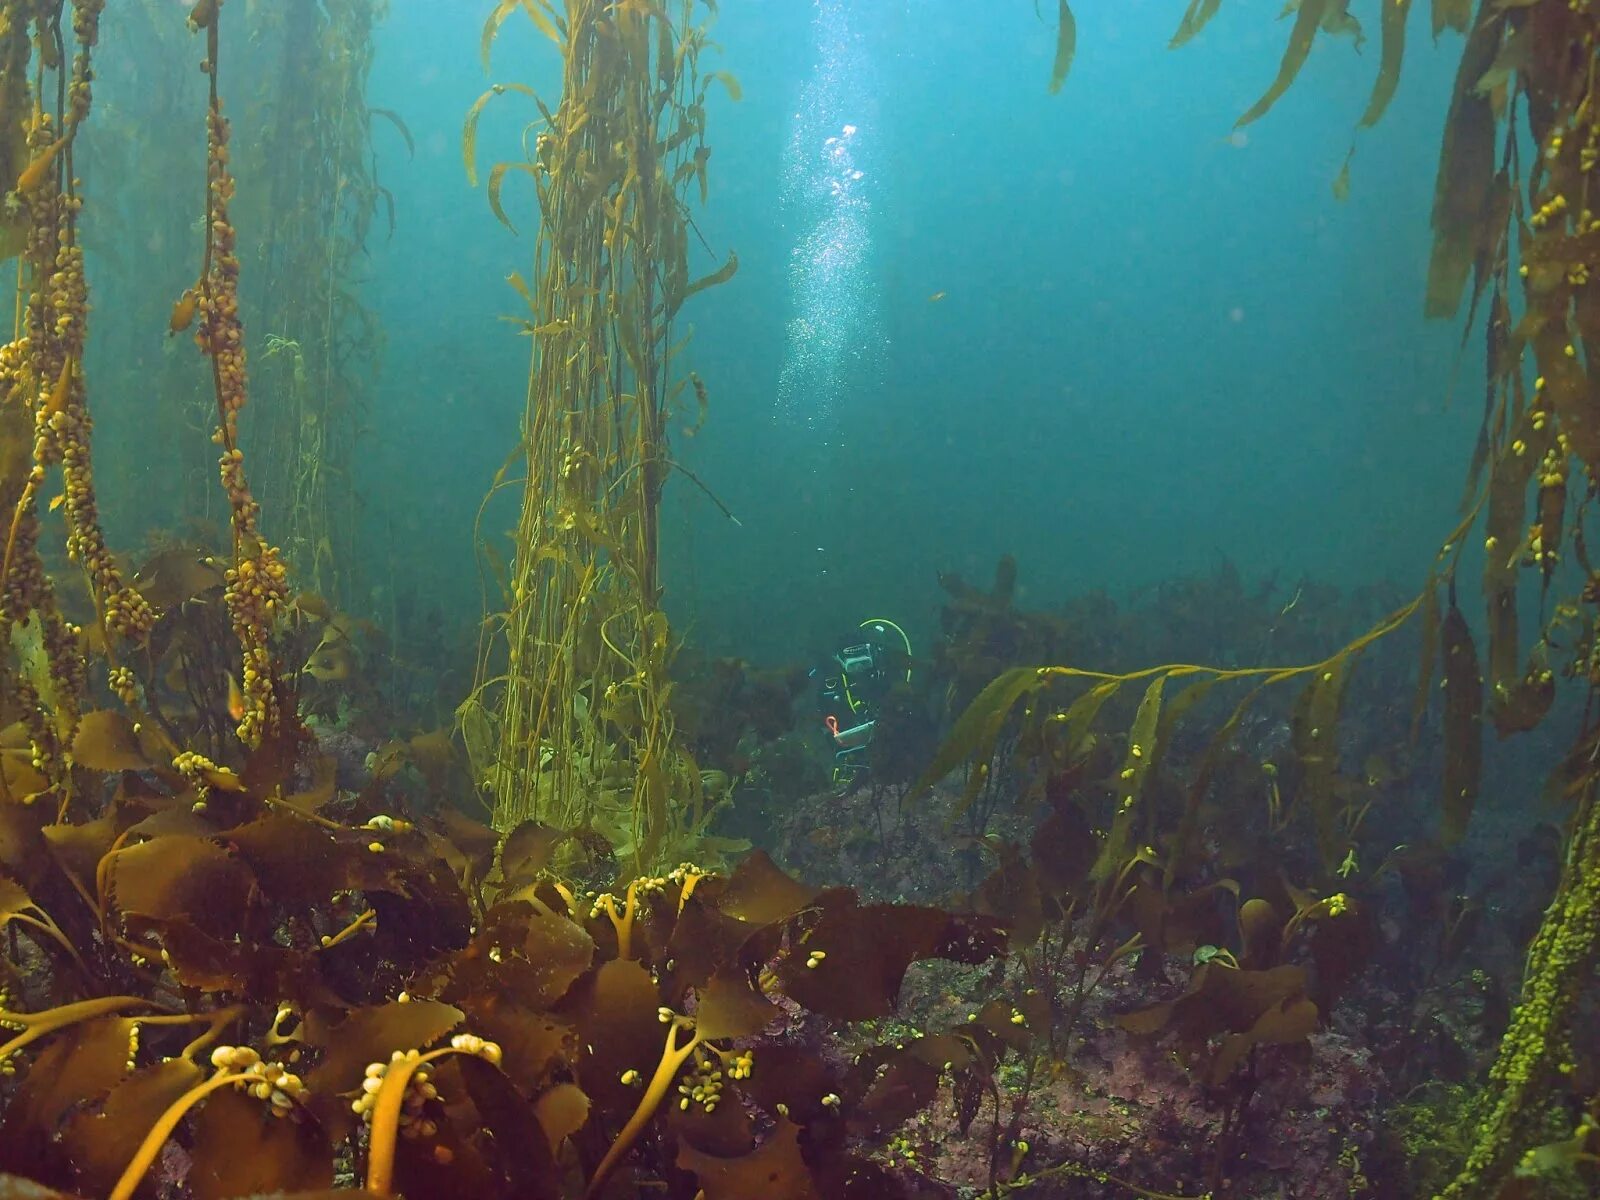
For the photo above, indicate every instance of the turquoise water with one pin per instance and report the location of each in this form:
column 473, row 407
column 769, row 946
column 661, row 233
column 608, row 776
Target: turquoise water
column 1157, row 341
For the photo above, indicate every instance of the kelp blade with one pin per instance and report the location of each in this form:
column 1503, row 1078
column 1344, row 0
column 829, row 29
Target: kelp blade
column 1306, row 23
column 1195, row 18
column 975, row 733
column 1066, row 47
column 1393, row 32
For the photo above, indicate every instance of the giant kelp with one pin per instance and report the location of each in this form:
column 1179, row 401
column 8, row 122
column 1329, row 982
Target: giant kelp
column 570, row 722
column 313, row 208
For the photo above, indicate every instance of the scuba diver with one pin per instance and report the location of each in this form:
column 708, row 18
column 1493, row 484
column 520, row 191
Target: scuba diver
column 851, row 688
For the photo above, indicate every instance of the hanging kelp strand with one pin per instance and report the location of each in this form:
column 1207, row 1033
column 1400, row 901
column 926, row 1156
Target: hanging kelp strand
column 257, row 582
column 584, row 736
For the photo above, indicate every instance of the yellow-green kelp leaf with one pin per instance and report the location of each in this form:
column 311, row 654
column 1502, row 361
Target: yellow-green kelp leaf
column 1393, row 33
column 497, row 178
column 538, row 10
column 469, row 133
column 728, row 80
column 1314, row 732
column 1306, row 23
column 721, row 275
column 1066, row 47
column 1130, row 782
column 1341, row 181
column 1463, row 725
column 1194, row 20
column 976, row 730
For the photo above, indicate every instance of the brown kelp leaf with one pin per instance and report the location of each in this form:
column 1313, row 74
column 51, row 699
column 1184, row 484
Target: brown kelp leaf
column 793, row 1079
column 79, row 848
column 973, row 737
column 102, row 1144
column 1066, row 46
column 1219, row 999
column 520, row 955
column 533, row 1044
column 1195, row 18
column 704, row 939
column 727, row 1131
column 1080, row 714
column 615, row 1009
column 171, row 577
column 300, row 863
column 729, row 1007
column 1466, row 171
column 474, row 840
column 213, row 964
column 1260, row 930
column 1130, row 781
column 775, row 1170
column 1306, row 22
column 181, row 878
column 562, row 1111
column 1343, row 940
column 1463, row 725
column 518, row 1149
column 850, row 963
column 83, row 1062
column 1011, row 893
column 527, row 851
column 14, row 899
column 1341, row 181
column 1290, row 1021
column 1393, row 35
column 241, row 1149
column 367, row 1035
column 105, row 741
column 759, row 892
column 1062, row 849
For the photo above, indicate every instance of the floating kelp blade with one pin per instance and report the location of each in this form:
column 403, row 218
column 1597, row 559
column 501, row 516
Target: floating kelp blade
column 1066, row 47
column 1195, row 18
column 1306, row 23
column 1392, row 30
column 1466, row 170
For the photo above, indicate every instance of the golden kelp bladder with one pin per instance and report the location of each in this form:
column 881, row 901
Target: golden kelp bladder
column 569, row 723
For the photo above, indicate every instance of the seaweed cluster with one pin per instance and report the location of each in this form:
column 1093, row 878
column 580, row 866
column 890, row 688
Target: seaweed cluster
column 570, row 722
column 338, row 991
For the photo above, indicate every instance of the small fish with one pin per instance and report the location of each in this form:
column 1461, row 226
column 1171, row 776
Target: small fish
column 235, row 699
column 936, row 297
